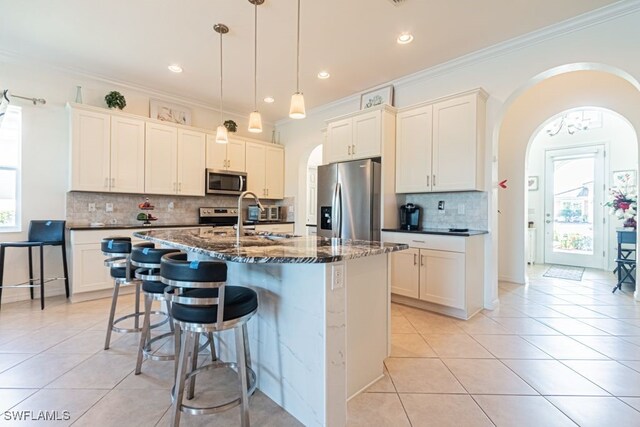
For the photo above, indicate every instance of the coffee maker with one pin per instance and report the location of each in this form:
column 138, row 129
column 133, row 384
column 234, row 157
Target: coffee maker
column 409, row 217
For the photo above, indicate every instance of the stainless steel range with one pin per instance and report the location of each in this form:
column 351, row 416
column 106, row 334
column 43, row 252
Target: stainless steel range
column 218, row 216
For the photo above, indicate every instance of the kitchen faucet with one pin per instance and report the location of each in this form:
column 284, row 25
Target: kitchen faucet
column 240, row 228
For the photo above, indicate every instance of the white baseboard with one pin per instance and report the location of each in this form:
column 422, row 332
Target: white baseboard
column 510, row 280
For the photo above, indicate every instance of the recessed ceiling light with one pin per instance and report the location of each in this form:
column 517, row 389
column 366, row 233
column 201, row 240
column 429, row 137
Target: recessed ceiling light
column 269, row 100
column 405, row 38
column 324, row 75
column 175, row 68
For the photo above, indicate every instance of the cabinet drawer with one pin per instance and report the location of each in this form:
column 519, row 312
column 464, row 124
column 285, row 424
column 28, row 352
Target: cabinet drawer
column 276, row 228
column 79, row 237
column 427, row 241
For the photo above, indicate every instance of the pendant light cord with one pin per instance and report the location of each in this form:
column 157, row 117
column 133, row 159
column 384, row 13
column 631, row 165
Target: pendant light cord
column 255, row 59
column 221, row 113
column 298, row 53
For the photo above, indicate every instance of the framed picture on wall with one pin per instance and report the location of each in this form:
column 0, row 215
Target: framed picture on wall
column 624, row 179
column 383, row 95
column 532, row 183
column 169, row 112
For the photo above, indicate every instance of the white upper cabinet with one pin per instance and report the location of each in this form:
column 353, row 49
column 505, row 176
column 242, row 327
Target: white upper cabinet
column 191, row 163
column 90, row 151
column 161, row 159
column 230, row 156
column 127, row 155
column 274, row 177
column 413, row 150
column 265, row 170
column 339, row 140
column 359, row 136
column 440, row 146
column 107, row 152
column 367, row 135
column 458, row 142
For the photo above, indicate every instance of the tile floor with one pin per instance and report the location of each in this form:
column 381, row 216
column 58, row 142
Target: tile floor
column 555, row 353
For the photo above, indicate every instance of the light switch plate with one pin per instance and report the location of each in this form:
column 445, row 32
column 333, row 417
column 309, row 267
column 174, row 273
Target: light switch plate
column 170, row 206
column 92, row 207
column 108, row 207
column 461, row 209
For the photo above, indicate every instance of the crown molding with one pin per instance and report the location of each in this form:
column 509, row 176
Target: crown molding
column 595, row 17
column 169, row 96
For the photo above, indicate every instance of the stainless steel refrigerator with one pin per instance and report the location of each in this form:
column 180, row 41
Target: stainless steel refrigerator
column 349, row 200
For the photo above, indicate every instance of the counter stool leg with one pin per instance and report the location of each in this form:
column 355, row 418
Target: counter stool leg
column 30, row 271
column 136, row 322
column 1, row 271
column 112, row 313
column 168, row 305
column 247, row 350
column 145, row 333
column 65, row 269
column 177, row 345
column 194, row 365
column 242, row 373
column 212, row 346
column 41, row 277
column 178, row 390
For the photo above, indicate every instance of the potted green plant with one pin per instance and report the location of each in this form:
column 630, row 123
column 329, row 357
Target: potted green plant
column 231, row 125
column 115, row 99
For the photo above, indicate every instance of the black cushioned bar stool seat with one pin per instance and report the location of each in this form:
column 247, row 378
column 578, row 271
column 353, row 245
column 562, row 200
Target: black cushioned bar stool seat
column 238, row 302
column 201, row 302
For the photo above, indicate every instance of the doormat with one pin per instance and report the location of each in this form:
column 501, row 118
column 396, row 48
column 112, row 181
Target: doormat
column 565, row 272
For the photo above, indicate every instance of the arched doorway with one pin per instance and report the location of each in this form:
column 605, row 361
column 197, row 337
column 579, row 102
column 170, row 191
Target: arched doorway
column 547, row 95
column 572, row 161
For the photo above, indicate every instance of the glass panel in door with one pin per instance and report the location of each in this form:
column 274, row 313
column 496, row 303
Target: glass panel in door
column 573, row 209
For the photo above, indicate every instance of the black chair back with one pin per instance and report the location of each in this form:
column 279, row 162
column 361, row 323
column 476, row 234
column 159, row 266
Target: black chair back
column 47, row 231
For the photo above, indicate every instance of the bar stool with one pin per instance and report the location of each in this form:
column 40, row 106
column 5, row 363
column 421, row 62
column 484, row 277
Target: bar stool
column 202, row 303
column 118, row 249
column 147, row 260
column 41, row 233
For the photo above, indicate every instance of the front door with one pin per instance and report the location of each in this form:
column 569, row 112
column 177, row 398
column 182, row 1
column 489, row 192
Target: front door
column 574, row 215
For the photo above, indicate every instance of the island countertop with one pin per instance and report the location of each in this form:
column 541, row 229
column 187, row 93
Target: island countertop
column 266, row 248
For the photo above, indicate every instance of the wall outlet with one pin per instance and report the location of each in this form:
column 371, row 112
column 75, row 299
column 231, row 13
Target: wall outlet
column 441, row 206
column 461, row 209
column 170, row 206
column 108, row 207
column 113, row 221
column 338, row 276
column 92, row 207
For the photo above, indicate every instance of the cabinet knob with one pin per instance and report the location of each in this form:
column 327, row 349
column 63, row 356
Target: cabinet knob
column 113, row 183
column 349, row 149
column 422, row 260
column 353, row 149
column 106, row 183
column 415, row 259
column 427, row 180
column 434, row 180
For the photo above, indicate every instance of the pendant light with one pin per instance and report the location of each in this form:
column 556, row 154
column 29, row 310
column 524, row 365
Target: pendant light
column 296, row 111
column 255, row 120
column 222, row 136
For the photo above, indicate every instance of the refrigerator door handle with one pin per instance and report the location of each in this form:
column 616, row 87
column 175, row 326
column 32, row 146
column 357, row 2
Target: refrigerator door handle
column 336, row 212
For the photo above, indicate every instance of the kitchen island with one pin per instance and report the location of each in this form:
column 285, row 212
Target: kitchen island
column 321, row 333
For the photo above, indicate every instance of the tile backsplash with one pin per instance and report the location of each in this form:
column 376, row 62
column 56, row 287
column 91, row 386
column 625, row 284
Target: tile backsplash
column 474, row 204
column 125, row 207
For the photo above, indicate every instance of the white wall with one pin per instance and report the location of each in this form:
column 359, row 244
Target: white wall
column 504, row 73
column 45, row 149
column 622, row 154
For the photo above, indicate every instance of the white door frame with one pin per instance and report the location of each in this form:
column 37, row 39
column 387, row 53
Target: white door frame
column 601, row 238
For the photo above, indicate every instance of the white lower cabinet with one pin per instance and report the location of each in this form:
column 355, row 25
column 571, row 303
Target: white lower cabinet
column 88, row 273
column 439, row 273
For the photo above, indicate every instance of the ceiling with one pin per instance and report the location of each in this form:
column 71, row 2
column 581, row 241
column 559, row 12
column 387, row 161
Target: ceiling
column 355, row 40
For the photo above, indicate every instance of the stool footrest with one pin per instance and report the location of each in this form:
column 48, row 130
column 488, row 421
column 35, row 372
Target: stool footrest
column 114, row 328
column 192, row 410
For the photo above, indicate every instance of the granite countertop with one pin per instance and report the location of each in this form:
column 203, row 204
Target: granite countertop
column 85, row 226
column 438, row 231
column 267, row 248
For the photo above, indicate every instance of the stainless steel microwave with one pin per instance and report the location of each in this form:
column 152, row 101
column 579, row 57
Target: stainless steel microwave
column 225, row 182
